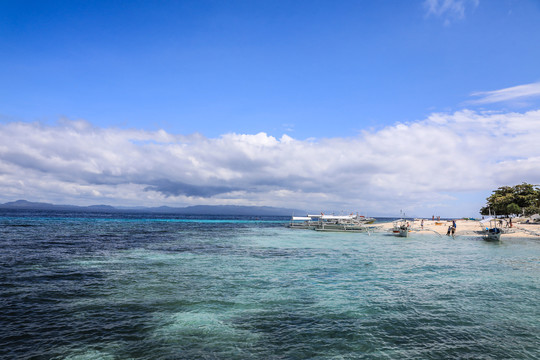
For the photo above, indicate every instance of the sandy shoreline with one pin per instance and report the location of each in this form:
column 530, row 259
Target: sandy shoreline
column 468, row 228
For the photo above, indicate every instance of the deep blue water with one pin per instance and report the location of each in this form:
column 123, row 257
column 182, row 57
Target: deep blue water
column 146, row 286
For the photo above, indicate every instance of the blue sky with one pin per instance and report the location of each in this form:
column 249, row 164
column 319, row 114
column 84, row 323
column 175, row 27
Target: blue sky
column 242, row 66
column 318, row 72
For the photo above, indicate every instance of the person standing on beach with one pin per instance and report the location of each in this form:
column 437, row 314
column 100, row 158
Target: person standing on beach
column 422, row 224
column 453, row 230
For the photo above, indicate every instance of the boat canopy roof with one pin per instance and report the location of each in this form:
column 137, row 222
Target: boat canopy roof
column 487, row 220
column 303, row 218
column 337, row 217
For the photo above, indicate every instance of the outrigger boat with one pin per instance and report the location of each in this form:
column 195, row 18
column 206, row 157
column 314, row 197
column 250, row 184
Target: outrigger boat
column 401, row 228
column 491, row 232
column 333, row 223
column 341, row 223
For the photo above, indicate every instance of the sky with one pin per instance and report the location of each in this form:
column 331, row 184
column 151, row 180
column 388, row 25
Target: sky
column 425, row 106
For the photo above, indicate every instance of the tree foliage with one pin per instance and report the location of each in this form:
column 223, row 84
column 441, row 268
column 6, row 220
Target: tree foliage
column 510, row 200
column 513, row 209
column 531, row 210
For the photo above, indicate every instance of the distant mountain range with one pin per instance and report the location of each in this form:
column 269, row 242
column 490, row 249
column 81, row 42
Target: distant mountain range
column 189, row 210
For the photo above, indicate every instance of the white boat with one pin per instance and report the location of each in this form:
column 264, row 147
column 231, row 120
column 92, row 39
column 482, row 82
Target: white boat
column 365, row 219
column 490, row 230
column 492, row 234
column 303, row 222
column 339, row 223
column 401, row 228
column 333, row 223
column 404, row 231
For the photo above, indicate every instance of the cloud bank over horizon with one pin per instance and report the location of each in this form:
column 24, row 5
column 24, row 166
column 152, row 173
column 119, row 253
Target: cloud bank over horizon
column 416, row 166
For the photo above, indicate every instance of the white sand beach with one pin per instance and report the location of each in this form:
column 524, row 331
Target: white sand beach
column 470, row 228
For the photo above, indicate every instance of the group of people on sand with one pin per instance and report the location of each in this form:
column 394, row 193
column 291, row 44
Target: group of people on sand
column 452, row 229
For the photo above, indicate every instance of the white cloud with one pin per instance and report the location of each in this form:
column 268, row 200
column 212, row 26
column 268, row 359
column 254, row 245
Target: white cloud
column 412, row 166
column 449, row 9
column 508, row 94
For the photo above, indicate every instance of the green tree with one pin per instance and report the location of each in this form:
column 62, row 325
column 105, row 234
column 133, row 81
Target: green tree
column 498, row 201
column 513, row 209
column 508, row 200
column 531, row 210
column 526, row 195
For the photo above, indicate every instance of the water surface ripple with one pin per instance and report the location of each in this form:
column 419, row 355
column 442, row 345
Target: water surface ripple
column 125, row 286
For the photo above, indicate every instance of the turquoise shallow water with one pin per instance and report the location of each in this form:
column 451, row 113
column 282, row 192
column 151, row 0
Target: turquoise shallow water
column 75, row 286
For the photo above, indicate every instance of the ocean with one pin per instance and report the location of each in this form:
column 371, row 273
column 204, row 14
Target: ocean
column 151, row 286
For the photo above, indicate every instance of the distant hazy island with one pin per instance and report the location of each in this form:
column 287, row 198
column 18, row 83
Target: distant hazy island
column 189, row 210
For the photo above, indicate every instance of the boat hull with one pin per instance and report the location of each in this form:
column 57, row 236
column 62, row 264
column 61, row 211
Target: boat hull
column 403, row 233
column 492, row 235
column 302, row 226
column 341, row 228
